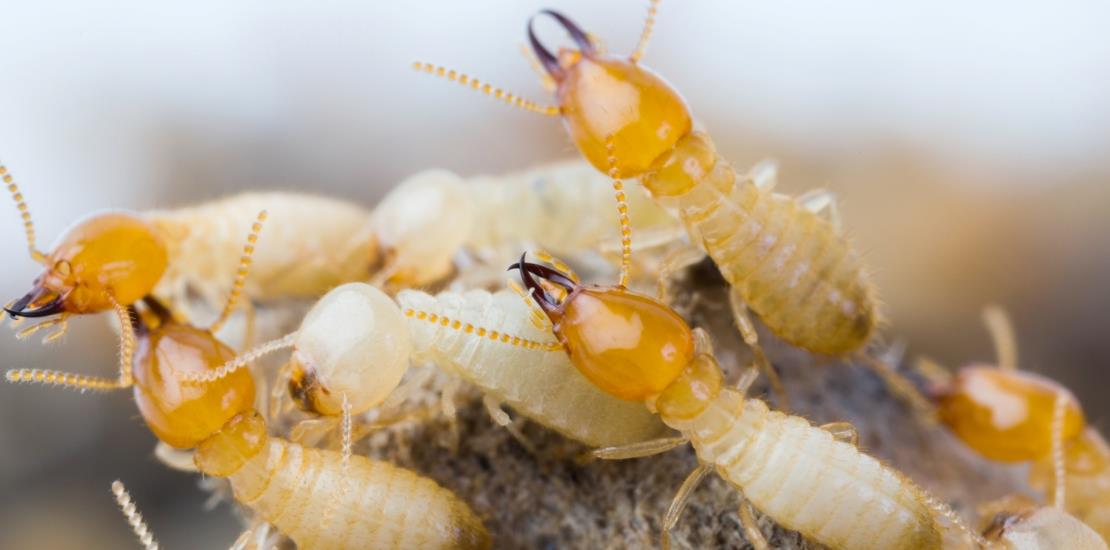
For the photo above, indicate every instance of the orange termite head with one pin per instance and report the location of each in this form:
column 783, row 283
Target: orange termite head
column 627, row 344
column 1007, row 415
column 180, row 412
column 112, row 255
column 622, row 116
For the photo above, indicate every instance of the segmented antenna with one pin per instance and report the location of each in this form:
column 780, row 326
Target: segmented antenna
column 241, row 274
column 1058, row 465
column 134, row 518
column 645, row 35
column 25, row 213
column 481, row 332
column 622, row 212
column 486, row 88
column 1002, row 332
column 238, row 362
column 943, row 510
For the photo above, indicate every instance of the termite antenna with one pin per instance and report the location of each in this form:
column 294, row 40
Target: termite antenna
column 486, row 88
column 645, row 35
column 622, row 213
column 134, row 518
column 548, row 59
column 482, row 332
column 1002, row 333
column 25, row 213
column 239, row 362
column 1058, row 466
column 241, row 274
column 82, row 382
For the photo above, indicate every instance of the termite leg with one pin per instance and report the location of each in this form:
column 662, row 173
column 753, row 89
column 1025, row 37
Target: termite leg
column 310, row 431
column 751, row 338
column 747, row 378
column 676, row 260
column 823, row 200
column 1002, row 333
column 681, row 499
column 501, row 418
column 703, row 344
column 175, row 458
column 765, row 175
column 935, row 374
column 640, row 449
column 901, row 387
column 843, row 431
column 449, row 410
column 751, row 527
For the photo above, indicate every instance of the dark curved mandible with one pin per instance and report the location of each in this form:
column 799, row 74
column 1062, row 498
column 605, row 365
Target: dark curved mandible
column 548, row 59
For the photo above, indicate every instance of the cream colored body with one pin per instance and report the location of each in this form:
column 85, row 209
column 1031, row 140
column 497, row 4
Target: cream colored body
column 564, row 208
column 303, row 493
column 1049, row 529
column 542, row 385
column 799, row 475
column 791, row 266
column 310, row 245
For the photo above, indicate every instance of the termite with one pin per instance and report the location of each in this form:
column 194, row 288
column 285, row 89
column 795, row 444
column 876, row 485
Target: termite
column 787, row 259
column 1010, row 415
column 809, row 479
column 356, row 343
column 318, row 498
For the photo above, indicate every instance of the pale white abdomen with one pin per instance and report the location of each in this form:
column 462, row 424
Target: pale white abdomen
column 309, row 244
column 806, row 481
column 790, row 266
column 540, row 384
column 377, row 505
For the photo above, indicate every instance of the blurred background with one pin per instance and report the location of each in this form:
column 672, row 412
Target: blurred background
column 968, row 143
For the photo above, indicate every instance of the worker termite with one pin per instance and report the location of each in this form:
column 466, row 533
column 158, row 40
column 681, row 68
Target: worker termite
column 808, row 479
column 318, row 498
column 1012, row 416
column 785, row 262
column 356, row 343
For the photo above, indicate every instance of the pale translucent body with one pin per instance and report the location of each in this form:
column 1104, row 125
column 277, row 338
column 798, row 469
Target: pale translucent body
column 304, row 493
column 421, row 223
column 807, row 481
column 564, row 208
column 542, row 385
column 1050, row 529
column 311, row 244
column 790, row 266
column 356, row 342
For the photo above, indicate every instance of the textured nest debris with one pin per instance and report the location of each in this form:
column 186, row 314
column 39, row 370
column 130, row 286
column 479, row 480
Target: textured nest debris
column 551, row 498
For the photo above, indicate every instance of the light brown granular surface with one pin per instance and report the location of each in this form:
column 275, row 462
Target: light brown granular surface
column 550, row 499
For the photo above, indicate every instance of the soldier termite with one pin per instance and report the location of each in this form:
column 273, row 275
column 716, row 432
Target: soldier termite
column 808, row 479
column 1013, row 416
column 319, row 498
column 356, row 343
column 785, row 262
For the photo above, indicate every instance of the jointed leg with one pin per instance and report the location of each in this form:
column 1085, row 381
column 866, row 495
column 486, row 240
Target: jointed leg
column 676, row 260
column 751, row 526
column 751, row 338
column 822, row 200
column 681, row 499
column 501, row 418
column 640, row 449
column 1002, row 333
column 901, row 387
column 765, row 175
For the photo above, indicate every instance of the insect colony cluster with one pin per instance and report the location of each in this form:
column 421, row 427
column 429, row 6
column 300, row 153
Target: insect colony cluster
column 613, row 367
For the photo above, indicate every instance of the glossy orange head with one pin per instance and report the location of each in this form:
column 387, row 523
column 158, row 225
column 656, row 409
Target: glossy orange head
column 183, row 413
column 629, row 345
column 1007, row 415
column 108, row 255
column 621, row 115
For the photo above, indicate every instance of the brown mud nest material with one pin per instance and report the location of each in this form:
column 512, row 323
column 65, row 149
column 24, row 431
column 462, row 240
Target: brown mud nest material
column 550, row 498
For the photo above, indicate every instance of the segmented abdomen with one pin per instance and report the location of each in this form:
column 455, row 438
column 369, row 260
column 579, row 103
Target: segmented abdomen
column 309, row 245
column 789, row 265
column 540, row 384
column 805, row 480
column 376, row 505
